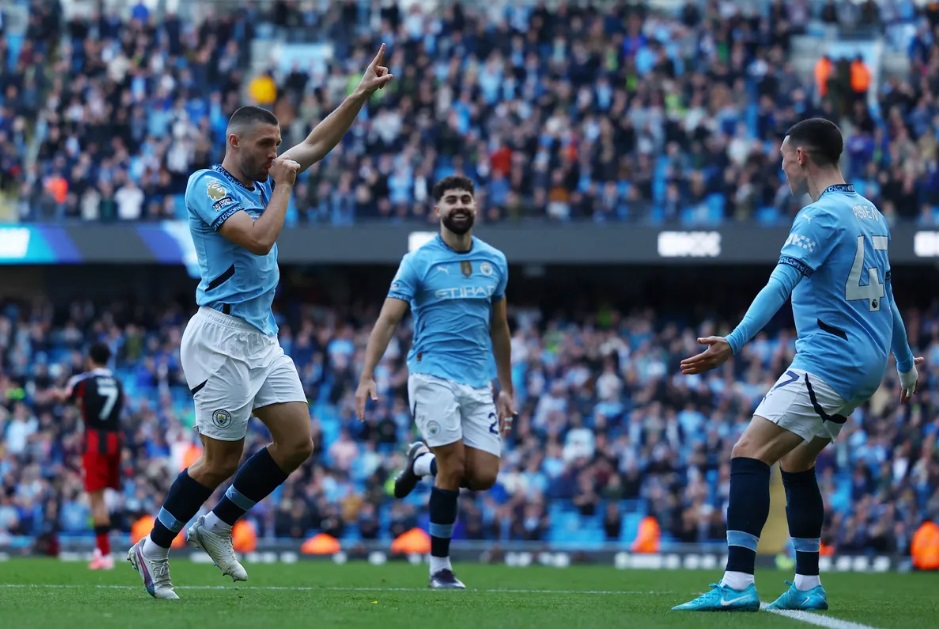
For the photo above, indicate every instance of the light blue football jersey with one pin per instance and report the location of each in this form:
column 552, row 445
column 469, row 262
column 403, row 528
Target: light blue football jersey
column 451, row 296
column 841, row 308
column 234, row 280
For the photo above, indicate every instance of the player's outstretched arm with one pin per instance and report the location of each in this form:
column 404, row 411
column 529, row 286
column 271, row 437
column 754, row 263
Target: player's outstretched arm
column 65, row 394
column 391, row 314
column 502, row 352
column 258, row 236
column 906, row 363
column 767, row 302
column 327, row 133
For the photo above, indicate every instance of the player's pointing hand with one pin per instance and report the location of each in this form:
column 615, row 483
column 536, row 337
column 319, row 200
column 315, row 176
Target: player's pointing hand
column 284, row 171
column 717, row 353
column 365, row 391
column 376, row 75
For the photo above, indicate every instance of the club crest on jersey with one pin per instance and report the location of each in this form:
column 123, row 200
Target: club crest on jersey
column 432, row 428
column 466, row 267
column 486, row 269
column 221, row 418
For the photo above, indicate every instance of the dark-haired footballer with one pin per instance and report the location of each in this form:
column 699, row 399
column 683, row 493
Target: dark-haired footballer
column 230, row 354
column 835, row 266
column 455, row 287
column 99, row 395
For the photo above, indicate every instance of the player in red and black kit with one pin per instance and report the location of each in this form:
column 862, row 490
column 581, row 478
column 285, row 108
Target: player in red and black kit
column 100, row 396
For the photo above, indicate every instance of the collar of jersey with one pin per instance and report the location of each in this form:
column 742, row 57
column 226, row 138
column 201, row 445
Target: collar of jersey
column 444, row 244
column 221, row 169
column 840, row 187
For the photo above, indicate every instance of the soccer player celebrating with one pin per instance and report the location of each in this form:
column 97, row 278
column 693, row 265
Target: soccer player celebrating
column 100, row 396
column 230, row 354
column 835, row 266
column 455, row 285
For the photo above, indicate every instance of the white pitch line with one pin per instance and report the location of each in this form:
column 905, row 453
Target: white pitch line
column 818, row 620
column 301, row 588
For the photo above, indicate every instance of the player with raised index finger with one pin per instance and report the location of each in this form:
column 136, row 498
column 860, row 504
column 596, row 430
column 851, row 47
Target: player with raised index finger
column 232, row 360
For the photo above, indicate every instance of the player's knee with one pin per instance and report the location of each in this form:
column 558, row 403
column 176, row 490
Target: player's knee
column 303, row 450
column 295, row 452
column 215, row 466
column 451, row 472
column 213, row 474
column 743, row 448
column 481, row 480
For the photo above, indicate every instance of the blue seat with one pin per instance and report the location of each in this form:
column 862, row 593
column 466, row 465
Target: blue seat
column 767, row 215
column 630, row 527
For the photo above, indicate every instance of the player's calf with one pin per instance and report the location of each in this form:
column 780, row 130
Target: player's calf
column 747, row 510
column 805, row 513
column 451, row 472
column 183, row 501
column 257, row 478
column 443, row 512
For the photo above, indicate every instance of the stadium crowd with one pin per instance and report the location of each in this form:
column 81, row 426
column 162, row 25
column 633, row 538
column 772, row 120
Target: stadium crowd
column 566, row 114
column 570, row 113
column 609, row 430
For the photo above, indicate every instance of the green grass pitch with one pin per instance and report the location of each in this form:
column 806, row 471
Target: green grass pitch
column 50, row 593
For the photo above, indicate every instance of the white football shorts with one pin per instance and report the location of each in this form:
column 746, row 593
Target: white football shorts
column 231, row 369
column 446, row 412
column 804, row 404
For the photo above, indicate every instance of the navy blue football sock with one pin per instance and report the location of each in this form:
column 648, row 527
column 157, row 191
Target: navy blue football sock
column 747, row 511
column 257, row 478
column 443, row 508
column 805, row 512
column 182, row 502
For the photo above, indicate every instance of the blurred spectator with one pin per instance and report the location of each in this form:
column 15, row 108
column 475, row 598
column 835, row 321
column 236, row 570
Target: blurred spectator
column 608, row 430
column 624, row 114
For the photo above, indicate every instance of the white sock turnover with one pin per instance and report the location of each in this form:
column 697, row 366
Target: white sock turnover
column 439, row 563
column 806, row 582
column 737, row 580
column 154, row 551
column 422, row 464
column 214, row 524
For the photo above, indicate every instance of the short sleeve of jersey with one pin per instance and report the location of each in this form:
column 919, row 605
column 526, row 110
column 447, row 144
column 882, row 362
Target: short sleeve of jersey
column 404, row 284
column 72, row 390
column 499, row 295
column 211, row 199
column 810, row 241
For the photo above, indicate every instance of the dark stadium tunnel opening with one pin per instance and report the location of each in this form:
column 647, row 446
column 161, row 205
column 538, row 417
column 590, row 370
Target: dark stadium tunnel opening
column 689, row 291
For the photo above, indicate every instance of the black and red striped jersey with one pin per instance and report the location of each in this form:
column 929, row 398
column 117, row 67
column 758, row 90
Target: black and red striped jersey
column 100, row 395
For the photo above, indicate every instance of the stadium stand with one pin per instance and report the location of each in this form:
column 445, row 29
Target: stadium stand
column 608, row 431
column 625, row 114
